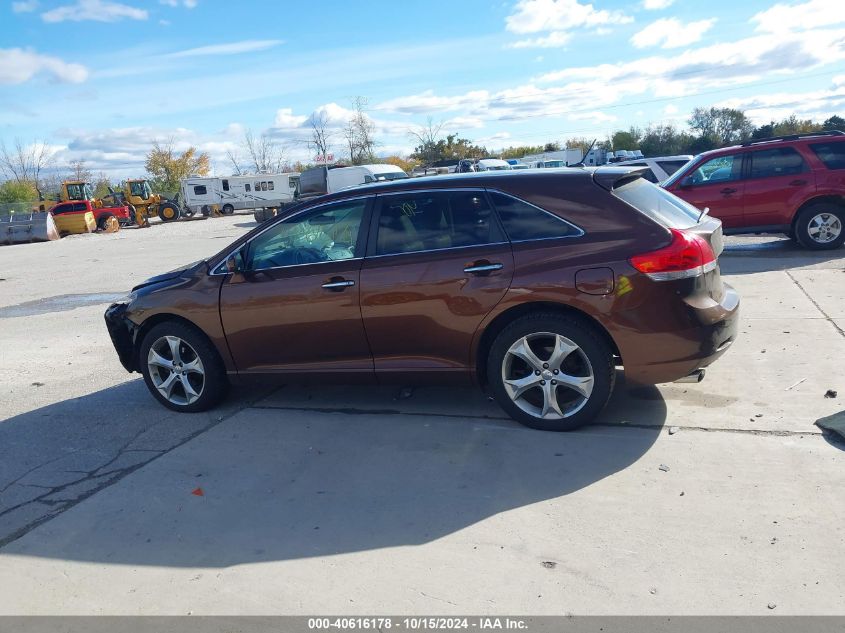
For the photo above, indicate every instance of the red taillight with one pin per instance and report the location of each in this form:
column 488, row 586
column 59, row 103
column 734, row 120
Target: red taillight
column 688, row 255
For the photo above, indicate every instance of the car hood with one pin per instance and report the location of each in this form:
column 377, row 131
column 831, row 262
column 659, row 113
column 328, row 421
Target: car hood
column 184, row 271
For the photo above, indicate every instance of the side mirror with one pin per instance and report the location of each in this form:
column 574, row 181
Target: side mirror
column 235, row 263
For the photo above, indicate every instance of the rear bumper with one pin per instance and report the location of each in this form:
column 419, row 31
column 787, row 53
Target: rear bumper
column 122, row 333
column 677, row 354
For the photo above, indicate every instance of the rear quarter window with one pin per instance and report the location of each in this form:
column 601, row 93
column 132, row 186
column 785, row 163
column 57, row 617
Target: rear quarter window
column 523, row 221
column 658, row 204
column 831, row 154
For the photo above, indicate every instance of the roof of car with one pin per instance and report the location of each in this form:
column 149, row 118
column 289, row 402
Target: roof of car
column 780, row 140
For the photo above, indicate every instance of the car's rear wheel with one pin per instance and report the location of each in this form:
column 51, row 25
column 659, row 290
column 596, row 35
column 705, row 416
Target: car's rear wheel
column 820, row 226
column 227, row 209
column 181, row 368
column 551, row 372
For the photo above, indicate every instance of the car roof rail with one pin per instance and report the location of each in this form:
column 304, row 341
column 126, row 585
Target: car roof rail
column 793, row 137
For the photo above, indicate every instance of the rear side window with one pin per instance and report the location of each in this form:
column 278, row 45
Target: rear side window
column 831, row 154
column 200, row 190
column 778, row 161
column 416, row 222
column 524, row 221
column 79, row 206
column 658, row 204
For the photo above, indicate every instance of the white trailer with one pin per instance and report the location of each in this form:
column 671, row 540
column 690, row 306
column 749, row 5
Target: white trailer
column 258, row 191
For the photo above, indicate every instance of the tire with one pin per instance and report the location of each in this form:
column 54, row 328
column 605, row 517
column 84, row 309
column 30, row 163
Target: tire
column 168, row 213
column 132, row 219
column 227, row 209
column 103, row 222
column 587, row 356
column 206, row 378
column 820, row 226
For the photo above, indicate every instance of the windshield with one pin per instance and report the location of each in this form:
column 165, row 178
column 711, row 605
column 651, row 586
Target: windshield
column 141, row 189
column 390, row 175
column 671, row 180
column 80, row 191
column 555, row 163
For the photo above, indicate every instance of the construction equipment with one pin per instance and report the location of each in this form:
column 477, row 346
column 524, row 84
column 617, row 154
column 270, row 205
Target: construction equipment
column 143, row 203
column 71, row 190
column 73, row 223
column 21, row 228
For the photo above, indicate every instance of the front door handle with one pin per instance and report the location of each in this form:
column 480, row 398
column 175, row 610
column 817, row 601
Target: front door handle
column 798, row 183
column 483, row 267
column 337, row 284
column 728, row 190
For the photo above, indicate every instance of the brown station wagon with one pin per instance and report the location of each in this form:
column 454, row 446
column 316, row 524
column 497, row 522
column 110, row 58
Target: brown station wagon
column 535, row 285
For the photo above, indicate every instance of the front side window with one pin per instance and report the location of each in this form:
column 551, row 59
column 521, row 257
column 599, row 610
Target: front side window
column 416, row 222
column 137, row 189
column 778, row 161
column 80, row 191
column 270, row 185
column 523, row 221
column 62, row 208
column 323, row 235
column 717, row 170
column 79, row 206
column 247, row 188
column 831, row 154
column 200, row 190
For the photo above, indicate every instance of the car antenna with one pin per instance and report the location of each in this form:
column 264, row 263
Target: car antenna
column 580, row 163
column 704, row 212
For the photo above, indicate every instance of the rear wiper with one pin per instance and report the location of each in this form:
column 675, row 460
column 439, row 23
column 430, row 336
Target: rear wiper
column 704, row 212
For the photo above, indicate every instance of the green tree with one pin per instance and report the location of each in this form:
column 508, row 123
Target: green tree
column 722, row 126
column 665, row 140
column 17, row 191
column 793, row 125
column 101, row 187
column 628, row 140
column 167, row 167
column 518, row 151
column 451, row 147
column 834, row 123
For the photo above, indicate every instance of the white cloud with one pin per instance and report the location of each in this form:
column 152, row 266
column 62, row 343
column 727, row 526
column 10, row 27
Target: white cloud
column 94, row 10
column 554, row 39
column 670, row 109
column 233, row 48
column 816, row 104
column 287, row 120
column 459, row 123
column 556, row 18
column 188, row 4
column 18, row 65
column 429, row 102
column 807, row 15
column 24, row 6
column 671, row 33
column 654, row 5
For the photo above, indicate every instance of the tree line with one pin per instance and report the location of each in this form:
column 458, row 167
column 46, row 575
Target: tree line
column 29, row 169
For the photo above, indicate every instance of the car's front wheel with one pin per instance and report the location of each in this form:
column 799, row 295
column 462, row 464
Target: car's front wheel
column 551, row 372
column 820, row 226
column 181, row 368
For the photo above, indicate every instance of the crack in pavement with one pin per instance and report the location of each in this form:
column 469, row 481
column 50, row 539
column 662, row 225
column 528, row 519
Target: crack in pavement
column 101, row 480
column 513, row 425
column 818, row 307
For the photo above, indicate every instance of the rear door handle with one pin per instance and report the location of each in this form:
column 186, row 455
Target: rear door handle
column 728, row 190
column 338, row 284
column 480, row 267
column 798, row 183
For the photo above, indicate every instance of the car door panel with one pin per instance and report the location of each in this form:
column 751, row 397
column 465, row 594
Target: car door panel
column 779, row 182
column 301, row 317
column 422, row 308
column 717, row 185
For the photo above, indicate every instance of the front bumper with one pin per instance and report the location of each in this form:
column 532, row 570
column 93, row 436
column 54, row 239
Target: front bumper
column 675, row 355
column 122, row 332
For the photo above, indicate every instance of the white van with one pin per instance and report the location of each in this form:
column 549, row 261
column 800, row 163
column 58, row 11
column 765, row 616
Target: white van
column 259, row 191
column 320, row 180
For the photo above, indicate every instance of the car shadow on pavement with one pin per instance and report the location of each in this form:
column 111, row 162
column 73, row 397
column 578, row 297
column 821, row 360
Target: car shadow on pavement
column 778, row 254
column 277, row 483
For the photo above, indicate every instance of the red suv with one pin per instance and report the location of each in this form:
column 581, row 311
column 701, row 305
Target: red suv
column 789, row 184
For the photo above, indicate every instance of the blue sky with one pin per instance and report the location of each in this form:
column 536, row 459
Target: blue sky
column 100, row 80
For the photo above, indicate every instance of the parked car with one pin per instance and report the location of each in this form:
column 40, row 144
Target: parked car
column 536, row 285
column 321, row 180
column 101, row 214
column 659, row 167
column 789, row 184
column 492, row 164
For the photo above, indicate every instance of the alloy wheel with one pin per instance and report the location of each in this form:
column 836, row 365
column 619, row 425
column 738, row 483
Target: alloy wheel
column 176, row 370
column 824, row 227
column 547, row 375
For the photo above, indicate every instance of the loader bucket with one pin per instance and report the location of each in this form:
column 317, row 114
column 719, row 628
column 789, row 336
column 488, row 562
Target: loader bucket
column 21, row 228
column 71, row 223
